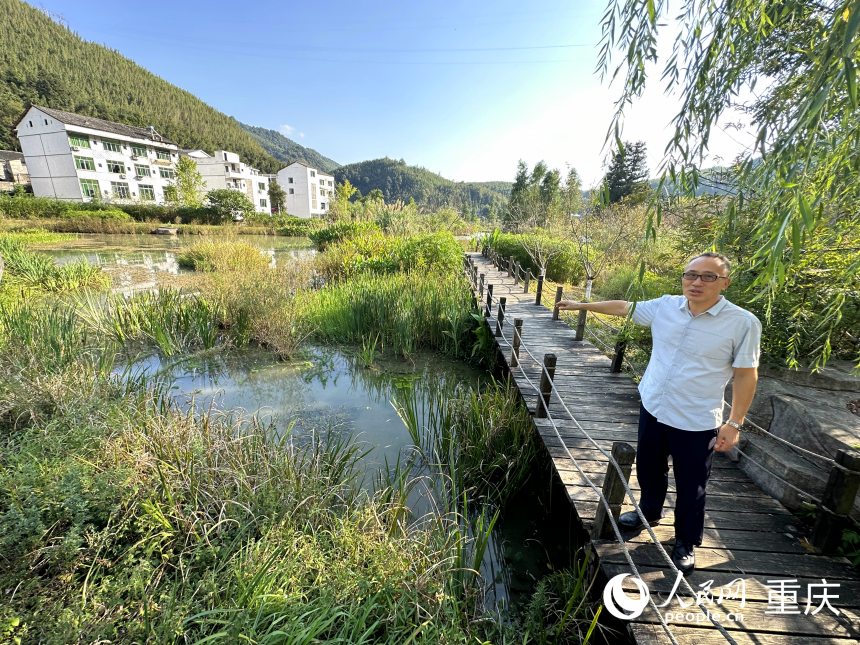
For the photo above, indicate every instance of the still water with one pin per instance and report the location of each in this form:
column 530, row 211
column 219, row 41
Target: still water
column 332, row 392
column 143, row 261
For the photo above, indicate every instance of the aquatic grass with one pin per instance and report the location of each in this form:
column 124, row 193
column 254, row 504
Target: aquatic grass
column 31, row 236
column 219, row 255
column 27, row 269
column 407, row 312
column 481, row 441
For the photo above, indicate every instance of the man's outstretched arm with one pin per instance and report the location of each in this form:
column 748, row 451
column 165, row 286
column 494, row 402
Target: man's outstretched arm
column 609, row 307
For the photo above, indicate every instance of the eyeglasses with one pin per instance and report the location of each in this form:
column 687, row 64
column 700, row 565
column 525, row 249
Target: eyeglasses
column 706, row 277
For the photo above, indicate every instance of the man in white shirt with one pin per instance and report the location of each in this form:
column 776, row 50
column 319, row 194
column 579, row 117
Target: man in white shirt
column 700, row 342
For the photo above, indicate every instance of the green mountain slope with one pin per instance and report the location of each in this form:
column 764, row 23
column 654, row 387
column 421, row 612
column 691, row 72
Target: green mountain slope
column 398, row 181
column 45, row 63
column 287, row 150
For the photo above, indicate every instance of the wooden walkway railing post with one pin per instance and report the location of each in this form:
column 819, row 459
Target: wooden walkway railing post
column 613, row 489
column 618, row 357
column 580, row 325
column 515, row 346
column 539, row 289
column 489, row 309
column 500, row 318
column 475, row 276
column 559, row 292
column 546, row 376
column 481, row 278
column 511, row 265
column 837, row 501
column 527, row 281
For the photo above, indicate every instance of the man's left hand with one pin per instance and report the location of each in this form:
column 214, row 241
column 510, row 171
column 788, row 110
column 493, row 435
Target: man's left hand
column 727, row 438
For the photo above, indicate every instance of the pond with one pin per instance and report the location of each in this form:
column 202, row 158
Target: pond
column 143, row 261
column 332, row 392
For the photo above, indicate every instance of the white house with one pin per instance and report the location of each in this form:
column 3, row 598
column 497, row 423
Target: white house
column 80, row 158
column 224, row 169
column 309, row 193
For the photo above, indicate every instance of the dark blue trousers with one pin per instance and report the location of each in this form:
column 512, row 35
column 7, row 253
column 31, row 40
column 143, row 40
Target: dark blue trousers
column 692, row 454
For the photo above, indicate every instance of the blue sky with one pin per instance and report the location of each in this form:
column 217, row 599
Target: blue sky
column 464, row 89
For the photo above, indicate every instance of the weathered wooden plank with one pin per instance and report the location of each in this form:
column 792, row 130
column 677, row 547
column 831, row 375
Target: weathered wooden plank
column 786, row 565
column 778, row 522
column 662, row 581
column 729, row 474
column 750, row 505
column 753, row 617
column 716, row 486
column 655, row 635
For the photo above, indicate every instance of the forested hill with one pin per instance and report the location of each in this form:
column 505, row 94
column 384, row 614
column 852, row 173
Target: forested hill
column 43, row 62
column 287, row 150
column 398, row 181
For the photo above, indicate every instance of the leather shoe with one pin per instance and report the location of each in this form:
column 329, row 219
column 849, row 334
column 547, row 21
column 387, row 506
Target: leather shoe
column 630, row 521
column 683, row 557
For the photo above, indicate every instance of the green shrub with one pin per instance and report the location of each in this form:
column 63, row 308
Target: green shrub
column 563, row 266
column 340, row 231
column 622, row 283
column 222, row 256
column 108, row 214
column 380, row 253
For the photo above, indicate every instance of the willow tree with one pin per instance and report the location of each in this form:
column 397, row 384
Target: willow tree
column 797, row 60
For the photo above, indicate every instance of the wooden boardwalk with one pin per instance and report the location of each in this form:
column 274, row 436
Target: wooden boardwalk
column 748, row 534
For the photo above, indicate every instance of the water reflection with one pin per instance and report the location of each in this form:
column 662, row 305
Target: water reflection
column 140, row 261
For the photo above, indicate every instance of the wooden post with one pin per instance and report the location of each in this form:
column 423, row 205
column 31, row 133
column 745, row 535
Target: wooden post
column 539, row 289
column 559, row 292
column 488, row 310
column 500, row 318
column 613, row 489
column 618, row 358
column 475, row 275
column 527, row 280
column 580, row 325
column 546, row 376
column 510, row 266
column 837, row 501
column 474, row 302
column 481, row 286
column 516, row 271
column 515, row 347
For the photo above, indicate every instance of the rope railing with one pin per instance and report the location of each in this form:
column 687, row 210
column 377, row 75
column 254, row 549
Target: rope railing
column 501, row 323
column 750, row 419
column 631, row 496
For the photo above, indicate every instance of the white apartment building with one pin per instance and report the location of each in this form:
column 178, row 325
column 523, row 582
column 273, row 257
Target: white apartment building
column 224, row 169
column 309, row 193
column 80, row 158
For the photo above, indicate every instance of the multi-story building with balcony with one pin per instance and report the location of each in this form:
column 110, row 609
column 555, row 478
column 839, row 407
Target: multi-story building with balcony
column 81, row 158
column 309, row 193
column 224, row 169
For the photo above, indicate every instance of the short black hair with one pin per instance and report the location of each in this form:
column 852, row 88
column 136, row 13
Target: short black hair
column 712, row 254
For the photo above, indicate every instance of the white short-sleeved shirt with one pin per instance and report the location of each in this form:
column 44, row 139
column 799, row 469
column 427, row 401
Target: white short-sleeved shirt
column 693, row 358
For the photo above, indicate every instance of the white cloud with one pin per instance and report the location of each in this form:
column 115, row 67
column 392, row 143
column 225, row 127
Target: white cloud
column 286, row 130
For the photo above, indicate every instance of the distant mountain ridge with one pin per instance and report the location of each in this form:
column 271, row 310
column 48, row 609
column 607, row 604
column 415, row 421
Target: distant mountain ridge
column 399, row 181
column 285, row 149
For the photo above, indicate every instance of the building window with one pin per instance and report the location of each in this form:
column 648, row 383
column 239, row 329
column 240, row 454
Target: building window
column 120, row 190
column 322, row 205
column 31, row 123
column 262, row 186
column 226, row 168
column 84, row 163
column 289, row 180
column 46, row 121
column 115, row 166
column 79, row 142
column 163, row 154
column 112, row 146
column 138, row 151
column 147, row 193
column 142, row 171
column 292, row 191
column 89, row 188
column 263, row 203
column 166, row 173
column 313, row 173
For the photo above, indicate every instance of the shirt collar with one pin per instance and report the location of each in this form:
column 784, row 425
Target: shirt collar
column 716, row 308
